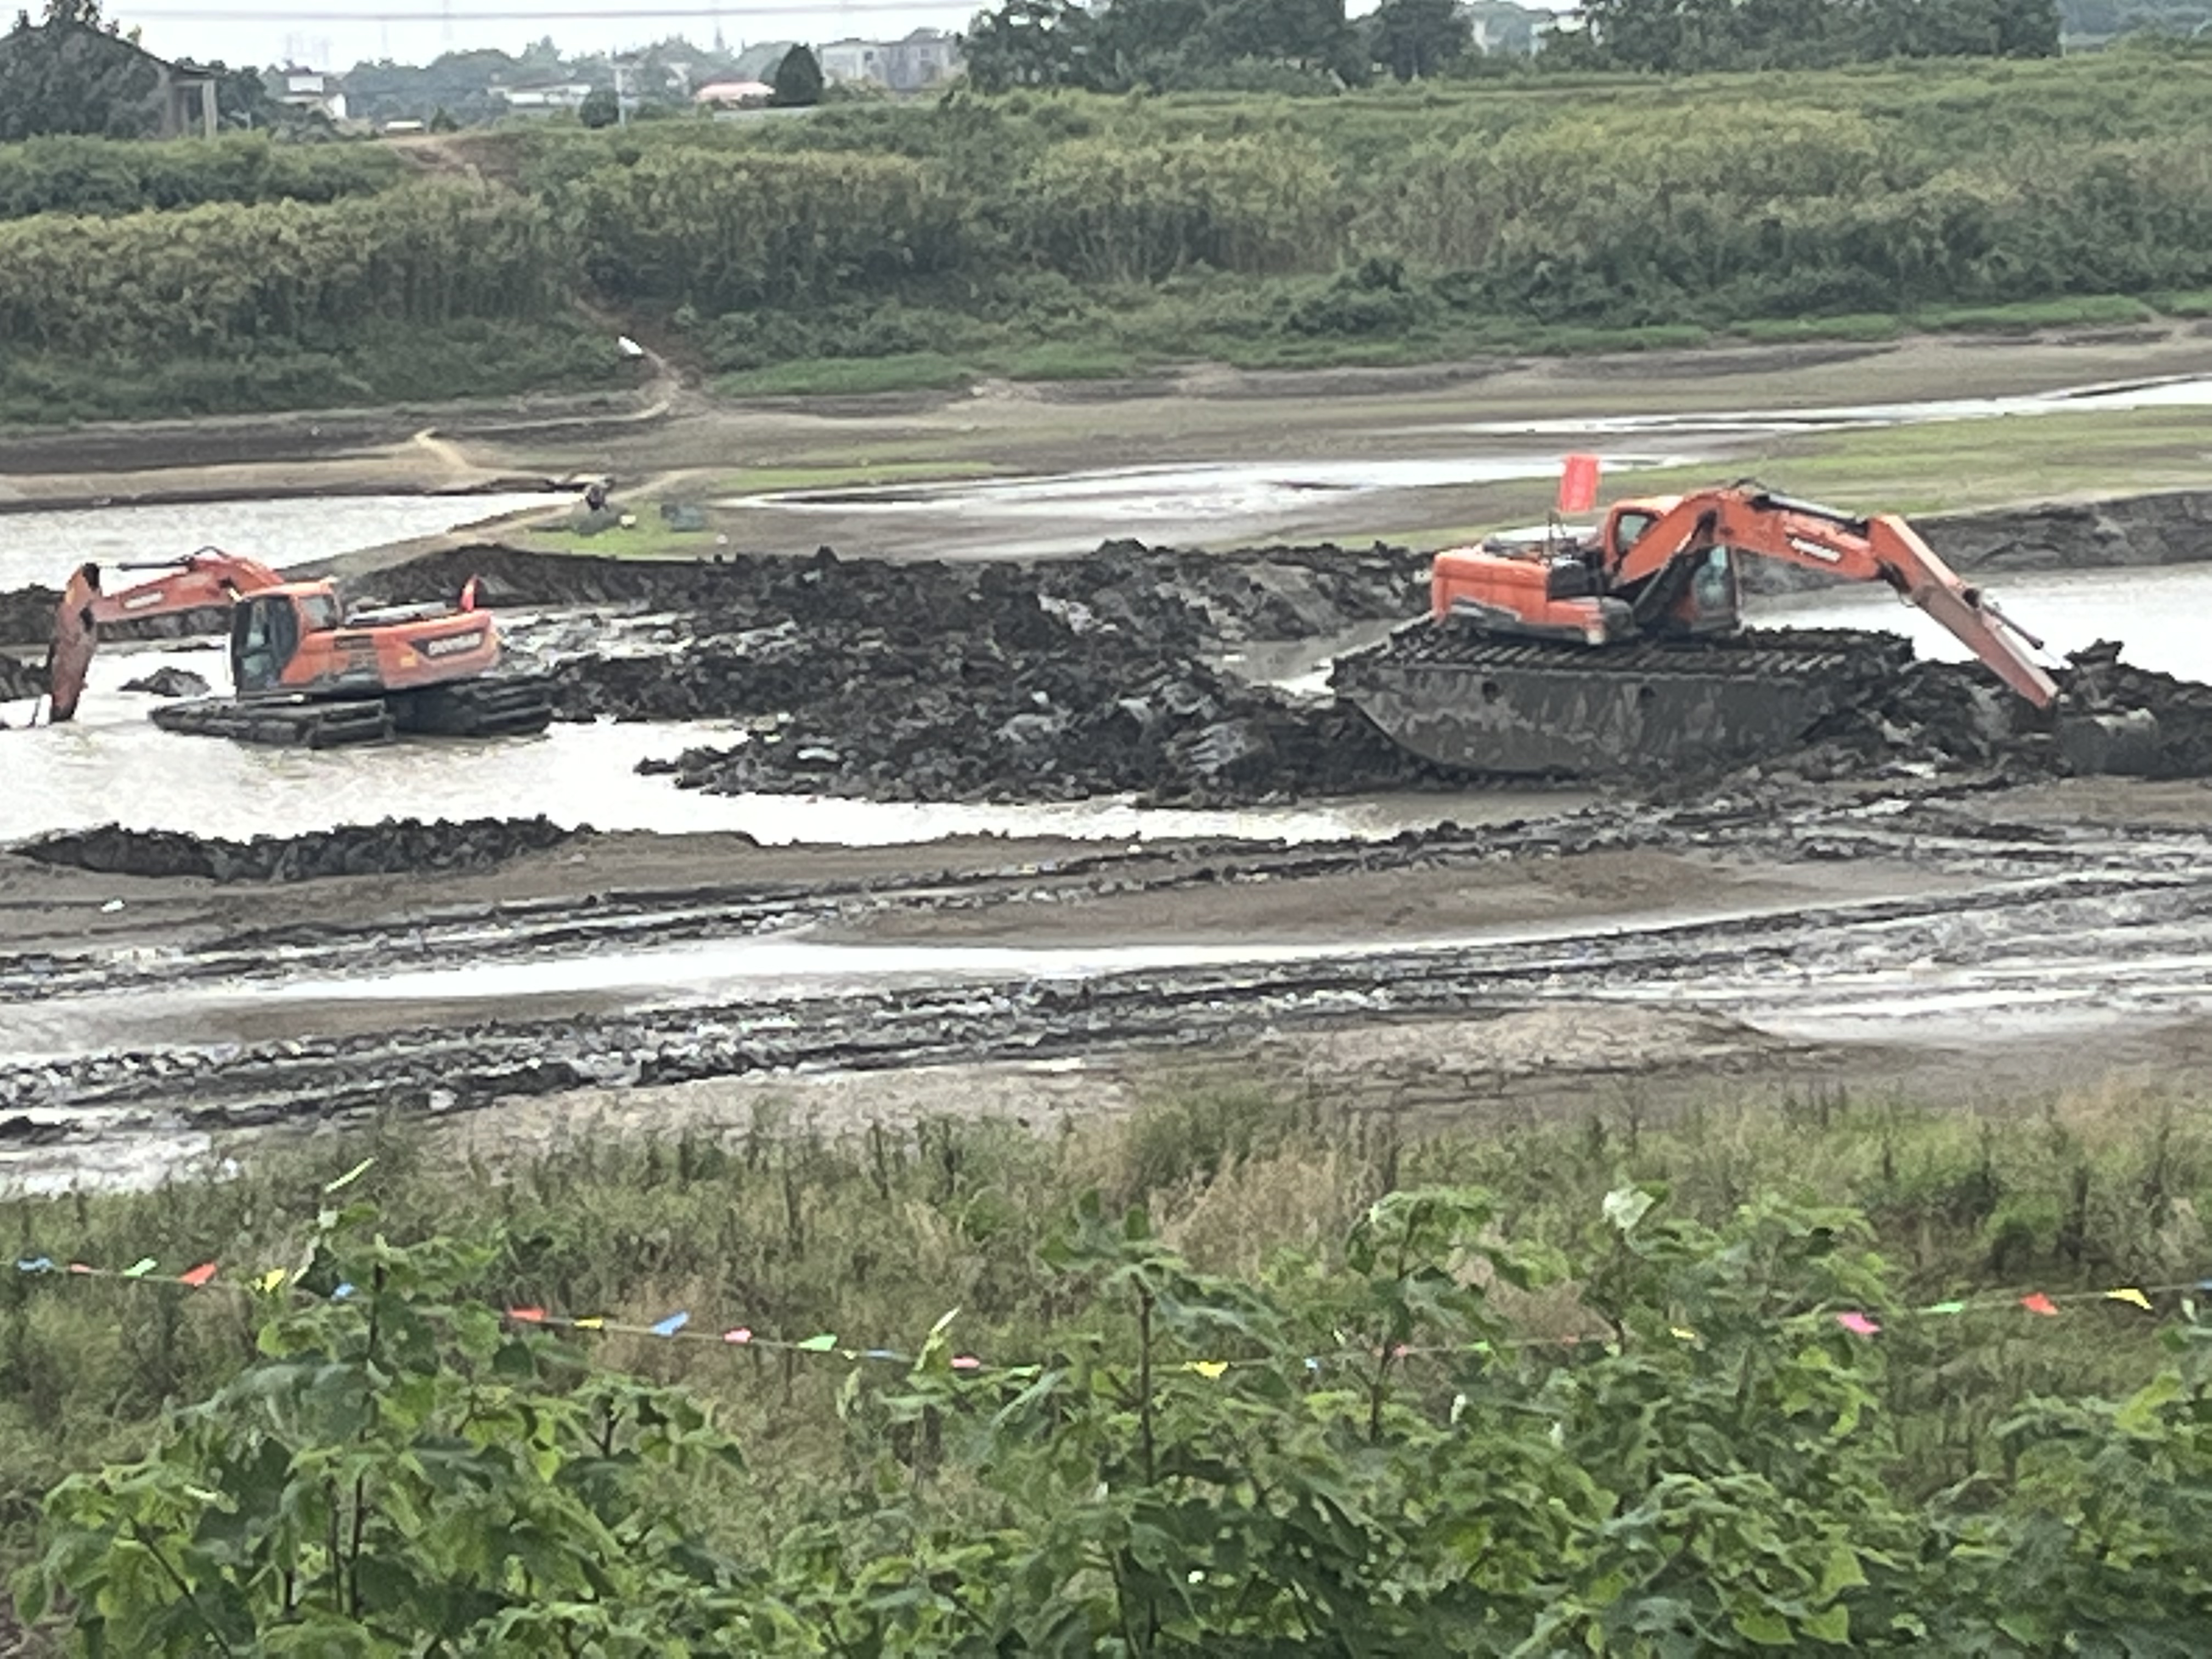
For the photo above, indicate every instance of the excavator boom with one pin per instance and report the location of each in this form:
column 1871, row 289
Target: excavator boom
column 207, row 580
column 1883, row 548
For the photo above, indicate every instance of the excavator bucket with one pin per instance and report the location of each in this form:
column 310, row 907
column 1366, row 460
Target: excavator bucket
column 1473, row 702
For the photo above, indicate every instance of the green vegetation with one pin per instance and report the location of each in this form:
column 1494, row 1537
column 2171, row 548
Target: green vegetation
column 1315, row 1389
column 872, row 246
column 105, row 176
column 386, row 363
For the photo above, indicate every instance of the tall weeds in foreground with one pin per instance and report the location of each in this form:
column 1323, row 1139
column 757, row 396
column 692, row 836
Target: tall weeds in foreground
column 873, row 1237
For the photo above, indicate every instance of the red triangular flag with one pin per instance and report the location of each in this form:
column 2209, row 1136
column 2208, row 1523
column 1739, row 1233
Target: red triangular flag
column 198, row 1276
column 527, row 1315
column 2039, row 1303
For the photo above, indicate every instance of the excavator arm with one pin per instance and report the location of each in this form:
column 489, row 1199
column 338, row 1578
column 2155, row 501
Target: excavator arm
column 1882, row 547
column 209, row 578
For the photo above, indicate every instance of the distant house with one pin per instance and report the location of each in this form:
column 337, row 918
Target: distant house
column 758, row 63
column 921, row 59
column 734, row 94
column 145, row 95
column 307, row 89
column 1500, row 27
column 542, row 100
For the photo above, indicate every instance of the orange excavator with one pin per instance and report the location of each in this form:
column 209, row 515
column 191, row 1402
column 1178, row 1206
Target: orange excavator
column 306, row 671
column 1622, row 648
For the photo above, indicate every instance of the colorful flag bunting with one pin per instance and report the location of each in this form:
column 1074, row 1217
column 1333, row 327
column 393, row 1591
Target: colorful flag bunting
column 198, row 1276
column 1208, row 1369
column 740, row 1335
column 2132, row 1297
column 822, row 1344
column 673, row 1323
column 1858, row 1324
column 527, row 1315
column 2036, row 1303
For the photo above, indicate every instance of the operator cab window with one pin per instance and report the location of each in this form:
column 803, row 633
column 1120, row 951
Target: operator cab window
column 319, row 612
column 1628, row 527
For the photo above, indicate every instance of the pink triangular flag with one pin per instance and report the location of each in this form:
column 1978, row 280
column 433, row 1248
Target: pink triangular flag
column 2038, row 1303
column 1858, row 1324
column 198, row 1276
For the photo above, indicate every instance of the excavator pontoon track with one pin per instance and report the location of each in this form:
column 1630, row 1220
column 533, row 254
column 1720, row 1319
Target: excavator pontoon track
column 497, row 706
column 1477, row 703
column 280, row 722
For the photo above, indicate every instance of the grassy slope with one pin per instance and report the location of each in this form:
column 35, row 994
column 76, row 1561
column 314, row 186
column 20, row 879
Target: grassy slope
column 874, row 1238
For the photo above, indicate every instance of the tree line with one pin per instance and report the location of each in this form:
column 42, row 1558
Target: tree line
column 1252, row 45
column 1175, row 225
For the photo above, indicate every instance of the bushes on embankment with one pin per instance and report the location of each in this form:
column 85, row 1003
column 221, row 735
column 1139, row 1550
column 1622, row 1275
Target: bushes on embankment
column 103, row 176
column 1037, row 233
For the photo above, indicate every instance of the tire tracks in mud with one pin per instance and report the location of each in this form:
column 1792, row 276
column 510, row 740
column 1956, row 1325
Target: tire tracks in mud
column 2115, row 917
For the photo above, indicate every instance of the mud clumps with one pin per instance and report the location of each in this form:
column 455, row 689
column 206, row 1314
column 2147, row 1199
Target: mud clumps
column 394, row 847
column 1001, row 682
column 169, row 683
column 19, row 680
column 1178, row 596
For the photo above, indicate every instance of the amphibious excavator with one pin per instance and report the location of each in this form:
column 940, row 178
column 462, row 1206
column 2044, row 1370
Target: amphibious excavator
column 306, row 673
column 1622, row 649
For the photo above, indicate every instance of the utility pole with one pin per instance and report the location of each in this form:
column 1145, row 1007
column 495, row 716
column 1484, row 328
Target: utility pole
column 615, row 67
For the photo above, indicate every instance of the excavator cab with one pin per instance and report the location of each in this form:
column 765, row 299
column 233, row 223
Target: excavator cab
column 1696, row 594
column 267, row 629
column 265, row 637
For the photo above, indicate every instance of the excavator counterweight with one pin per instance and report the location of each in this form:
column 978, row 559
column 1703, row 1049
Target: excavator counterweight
column 1622, row 649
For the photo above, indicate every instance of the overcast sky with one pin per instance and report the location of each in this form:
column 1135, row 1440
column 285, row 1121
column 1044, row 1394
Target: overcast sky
column 336, row 34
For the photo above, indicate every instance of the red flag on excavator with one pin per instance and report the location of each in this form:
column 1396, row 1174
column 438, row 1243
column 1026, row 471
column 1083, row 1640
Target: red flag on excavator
column 469, row 594
column 1578, row 483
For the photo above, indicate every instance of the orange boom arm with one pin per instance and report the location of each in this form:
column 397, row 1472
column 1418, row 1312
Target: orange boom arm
column 209, row 578
column 1880, row 548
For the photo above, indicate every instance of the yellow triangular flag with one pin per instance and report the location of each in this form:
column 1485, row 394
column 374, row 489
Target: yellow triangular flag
column 1208, row 1369
column 1682, row 1334
column 270, row 1282
column 590, row 1324
column 2132, row 1297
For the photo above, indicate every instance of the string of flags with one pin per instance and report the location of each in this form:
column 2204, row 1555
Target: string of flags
column 678, row 1325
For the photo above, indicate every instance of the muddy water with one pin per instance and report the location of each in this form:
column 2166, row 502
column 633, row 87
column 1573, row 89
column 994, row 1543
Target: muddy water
column 2162, row 617
column 2179, row 392
column 39, row 549
column 1210, row 505
column 114, row 766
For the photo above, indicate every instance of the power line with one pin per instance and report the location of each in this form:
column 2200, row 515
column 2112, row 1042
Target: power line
column 473, row 14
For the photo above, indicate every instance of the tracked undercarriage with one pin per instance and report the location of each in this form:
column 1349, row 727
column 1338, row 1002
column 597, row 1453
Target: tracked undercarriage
column 1476, row 702
column 496, row 706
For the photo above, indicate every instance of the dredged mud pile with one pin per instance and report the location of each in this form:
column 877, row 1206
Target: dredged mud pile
column 20, row 679
column 922, row 680
column 394, row 847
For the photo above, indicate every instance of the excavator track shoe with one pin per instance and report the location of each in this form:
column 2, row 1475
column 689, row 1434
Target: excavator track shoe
column 497, row 706
column 280, row 722
column 1474, row 702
